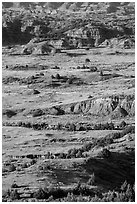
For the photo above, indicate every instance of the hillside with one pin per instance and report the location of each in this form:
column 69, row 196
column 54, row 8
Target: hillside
column 54, row 19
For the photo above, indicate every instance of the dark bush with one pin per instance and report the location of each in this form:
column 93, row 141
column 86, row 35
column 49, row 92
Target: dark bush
column 24, row 165
column 62, row 156
column 35, row 91
column 97, row 127
column 57, row 192
column 52, row 77
column 101, row 73
column 82, row 189
column 12, row 167
column 19, row 123
column 79, row 154
column 111, row 126
column 105, row 126
column 70, row 81
column 127, row 130
column 87, row 60
column 103, row 141
column 115, row 135
column 35, row 126
column 9, row 113
column 28, row 125
column 57, row 111
column 14, row 185
column 59, row 126
column 70, row 127
column 87, row 147
column 37, row 113
column 40, row 194
column 14, row 195
column 122, row 124
column 105, row 153
column 80, row 128
column 33, row 161
column 57, row 76
column 73, row 154
column 124, row 186
column 91, row 180
column 130, row 193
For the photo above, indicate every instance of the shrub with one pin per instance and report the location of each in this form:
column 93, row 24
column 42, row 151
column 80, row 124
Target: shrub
column 70, row 127
column 105, row 153
column 37, row 113
column 106, row 126
column 33, row 161
column 70, row 80
column 130, row 194
column 19, row 123
column 124, row 186
column 101, row 73
column 40, row 194
column 35, row 91
column 115, row 135
column 28, row 125
column 128, row 129
column 97, row 127
column 111, row 126
column 109, row 196
column 57, row 76
column 6, row 194
column 79, row 154
column 122, row 124
column 14, row 195
column 70, row 198
column 12, row 167
column 9, row 113
column 82, row 189
column 62, row 156
column 73, row 152
column 57, row 192
column 14, row 185
column 91, row 180
column 82, row 128
column 87, row 147
column 59, row 126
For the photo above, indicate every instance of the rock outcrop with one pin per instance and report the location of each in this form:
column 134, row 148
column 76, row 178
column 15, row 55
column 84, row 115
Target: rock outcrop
column 113, row 106
column 119, row 105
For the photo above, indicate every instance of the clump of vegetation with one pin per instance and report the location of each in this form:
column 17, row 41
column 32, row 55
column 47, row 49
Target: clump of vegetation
column 70, row 127
column 9, row 113
column 80, row 192
column 86, row 147
column 14, row 185
column 24, row 165
column 57, row 76
column 14, row 195
column 92, row 180
column 122, row 124
column 82, row 189
column 105, row 153
column 70, row 81
column 35, row 91
column 59, row 126
column 12, row 167
column 106, row 126
column 111, row 196
column 37, row 113
column 40, row 194
column 127, row 130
